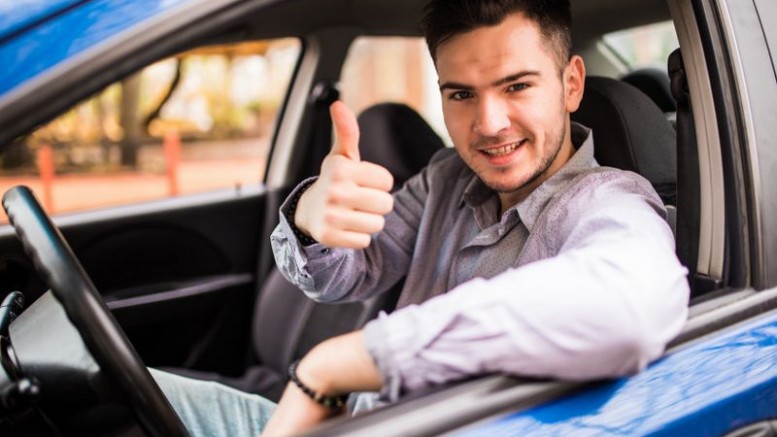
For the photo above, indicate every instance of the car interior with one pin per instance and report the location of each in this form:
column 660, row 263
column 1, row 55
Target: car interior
column 192, row 282
column 394, row 136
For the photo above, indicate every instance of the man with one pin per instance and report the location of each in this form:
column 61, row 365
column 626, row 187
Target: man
column 521, row 254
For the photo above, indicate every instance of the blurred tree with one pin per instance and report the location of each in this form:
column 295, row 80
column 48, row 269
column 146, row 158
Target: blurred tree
column 131, row 124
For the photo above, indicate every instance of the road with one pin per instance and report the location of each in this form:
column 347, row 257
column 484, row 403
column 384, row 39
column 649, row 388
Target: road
column 198, row 170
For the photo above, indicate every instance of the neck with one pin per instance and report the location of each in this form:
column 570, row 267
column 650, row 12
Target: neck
column 509, row 199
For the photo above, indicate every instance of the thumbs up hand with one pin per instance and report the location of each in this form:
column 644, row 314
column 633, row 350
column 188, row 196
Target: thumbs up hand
column 348, row 201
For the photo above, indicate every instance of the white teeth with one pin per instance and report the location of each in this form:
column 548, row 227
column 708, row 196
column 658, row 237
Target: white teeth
column 500, row 151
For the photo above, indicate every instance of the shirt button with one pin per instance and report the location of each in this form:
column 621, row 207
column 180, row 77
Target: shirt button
column 325, row 250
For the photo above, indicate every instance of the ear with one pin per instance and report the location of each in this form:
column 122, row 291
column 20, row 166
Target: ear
column 574, row 83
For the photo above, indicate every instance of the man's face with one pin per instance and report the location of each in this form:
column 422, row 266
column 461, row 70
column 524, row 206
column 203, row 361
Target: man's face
column 506, row 102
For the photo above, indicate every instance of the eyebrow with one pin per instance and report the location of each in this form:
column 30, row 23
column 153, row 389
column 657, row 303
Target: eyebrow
column 498, row 82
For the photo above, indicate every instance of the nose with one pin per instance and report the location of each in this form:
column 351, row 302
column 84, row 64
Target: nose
column 492, row 117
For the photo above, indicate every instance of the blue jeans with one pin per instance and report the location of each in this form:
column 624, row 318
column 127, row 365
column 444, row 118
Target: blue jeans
column 210, row 409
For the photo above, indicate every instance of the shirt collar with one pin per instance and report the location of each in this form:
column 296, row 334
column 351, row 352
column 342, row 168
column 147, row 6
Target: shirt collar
column 477, row 193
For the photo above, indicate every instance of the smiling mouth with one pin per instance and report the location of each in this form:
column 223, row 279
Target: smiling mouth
column 503, row 150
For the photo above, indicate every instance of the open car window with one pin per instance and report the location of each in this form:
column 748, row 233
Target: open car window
column 198, row 121
column 643, row 46
column 393, row 69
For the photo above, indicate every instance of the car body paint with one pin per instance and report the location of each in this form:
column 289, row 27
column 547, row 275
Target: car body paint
column 15, row 16
column 708, row 388
column 63, row 37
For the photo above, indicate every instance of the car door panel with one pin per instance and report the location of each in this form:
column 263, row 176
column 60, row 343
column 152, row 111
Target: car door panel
column 179, row 275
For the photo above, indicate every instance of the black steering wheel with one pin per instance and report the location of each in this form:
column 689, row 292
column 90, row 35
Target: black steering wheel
column 86, row 310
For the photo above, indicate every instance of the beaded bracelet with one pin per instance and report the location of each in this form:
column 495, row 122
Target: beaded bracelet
column 292, row 210
column 331, row 402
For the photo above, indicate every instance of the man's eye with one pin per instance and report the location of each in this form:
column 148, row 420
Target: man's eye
column 460, row 95
column 517, row 87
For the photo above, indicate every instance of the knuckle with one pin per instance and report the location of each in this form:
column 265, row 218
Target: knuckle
column 339, row 172
column 336, row 194
column 388, row 181
column 380, row 222
column 326, row 236
column 387, row 204
column 331, row 218
column 362, row 241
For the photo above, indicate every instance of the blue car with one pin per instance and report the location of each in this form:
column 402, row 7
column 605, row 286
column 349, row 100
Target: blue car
column 145, row 147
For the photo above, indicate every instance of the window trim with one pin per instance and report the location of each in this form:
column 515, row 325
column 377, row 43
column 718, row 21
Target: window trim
column 712, row 227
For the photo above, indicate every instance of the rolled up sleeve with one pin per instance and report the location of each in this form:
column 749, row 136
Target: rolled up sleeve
column 604, row 307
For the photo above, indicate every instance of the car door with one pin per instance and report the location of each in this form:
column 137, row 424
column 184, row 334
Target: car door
column 718, row 376
column 180, row 265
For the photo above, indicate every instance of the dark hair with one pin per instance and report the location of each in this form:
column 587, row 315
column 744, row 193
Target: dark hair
column 444, row 19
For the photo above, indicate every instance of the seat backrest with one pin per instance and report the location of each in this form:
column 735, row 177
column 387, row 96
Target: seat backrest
column 630, row 132
column 286, row 323
column 396, row 137
column 654, row 83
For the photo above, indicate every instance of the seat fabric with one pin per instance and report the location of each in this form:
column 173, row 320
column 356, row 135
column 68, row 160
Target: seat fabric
column 654, row 83
column 630, row 132
column 287, row 323
column 396, row 137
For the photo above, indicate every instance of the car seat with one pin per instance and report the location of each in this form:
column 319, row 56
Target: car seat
column 631, row 133
column 286, row 323
column 654, row 83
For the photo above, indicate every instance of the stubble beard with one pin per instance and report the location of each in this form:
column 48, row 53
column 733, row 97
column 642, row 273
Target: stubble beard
column 540, row 170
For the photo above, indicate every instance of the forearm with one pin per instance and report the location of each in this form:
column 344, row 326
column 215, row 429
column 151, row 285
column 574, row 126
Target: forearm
column 593, row 312
column 328, row 275
column 337, row 366
column 340, row 365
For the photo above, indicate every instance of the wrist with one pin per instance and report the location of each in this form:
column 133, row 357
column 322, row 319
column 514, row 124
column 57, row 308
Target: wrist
column 316, row 372
column 295, row 214
column 322, row 396
column 300, row 213
column 340, row 365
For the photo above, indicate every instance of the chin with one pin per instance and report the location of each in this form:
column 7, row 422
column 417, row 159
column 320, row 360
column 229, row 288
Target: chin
column 502, row 186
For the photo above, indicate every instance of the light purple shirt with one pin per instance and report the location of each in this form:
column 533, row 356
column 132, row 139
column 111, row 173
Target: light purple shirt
column 578, row 281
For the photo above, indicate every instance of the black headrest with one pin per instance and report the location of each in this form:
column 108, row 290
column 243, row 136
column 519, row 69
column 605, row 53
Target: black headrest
column 654, row 83
column 630, row 132
column 397, row 137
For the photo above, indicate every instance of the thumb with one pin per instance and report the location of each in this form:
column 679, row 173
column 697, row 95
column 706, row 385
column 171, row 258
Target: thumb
column 346, row 131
